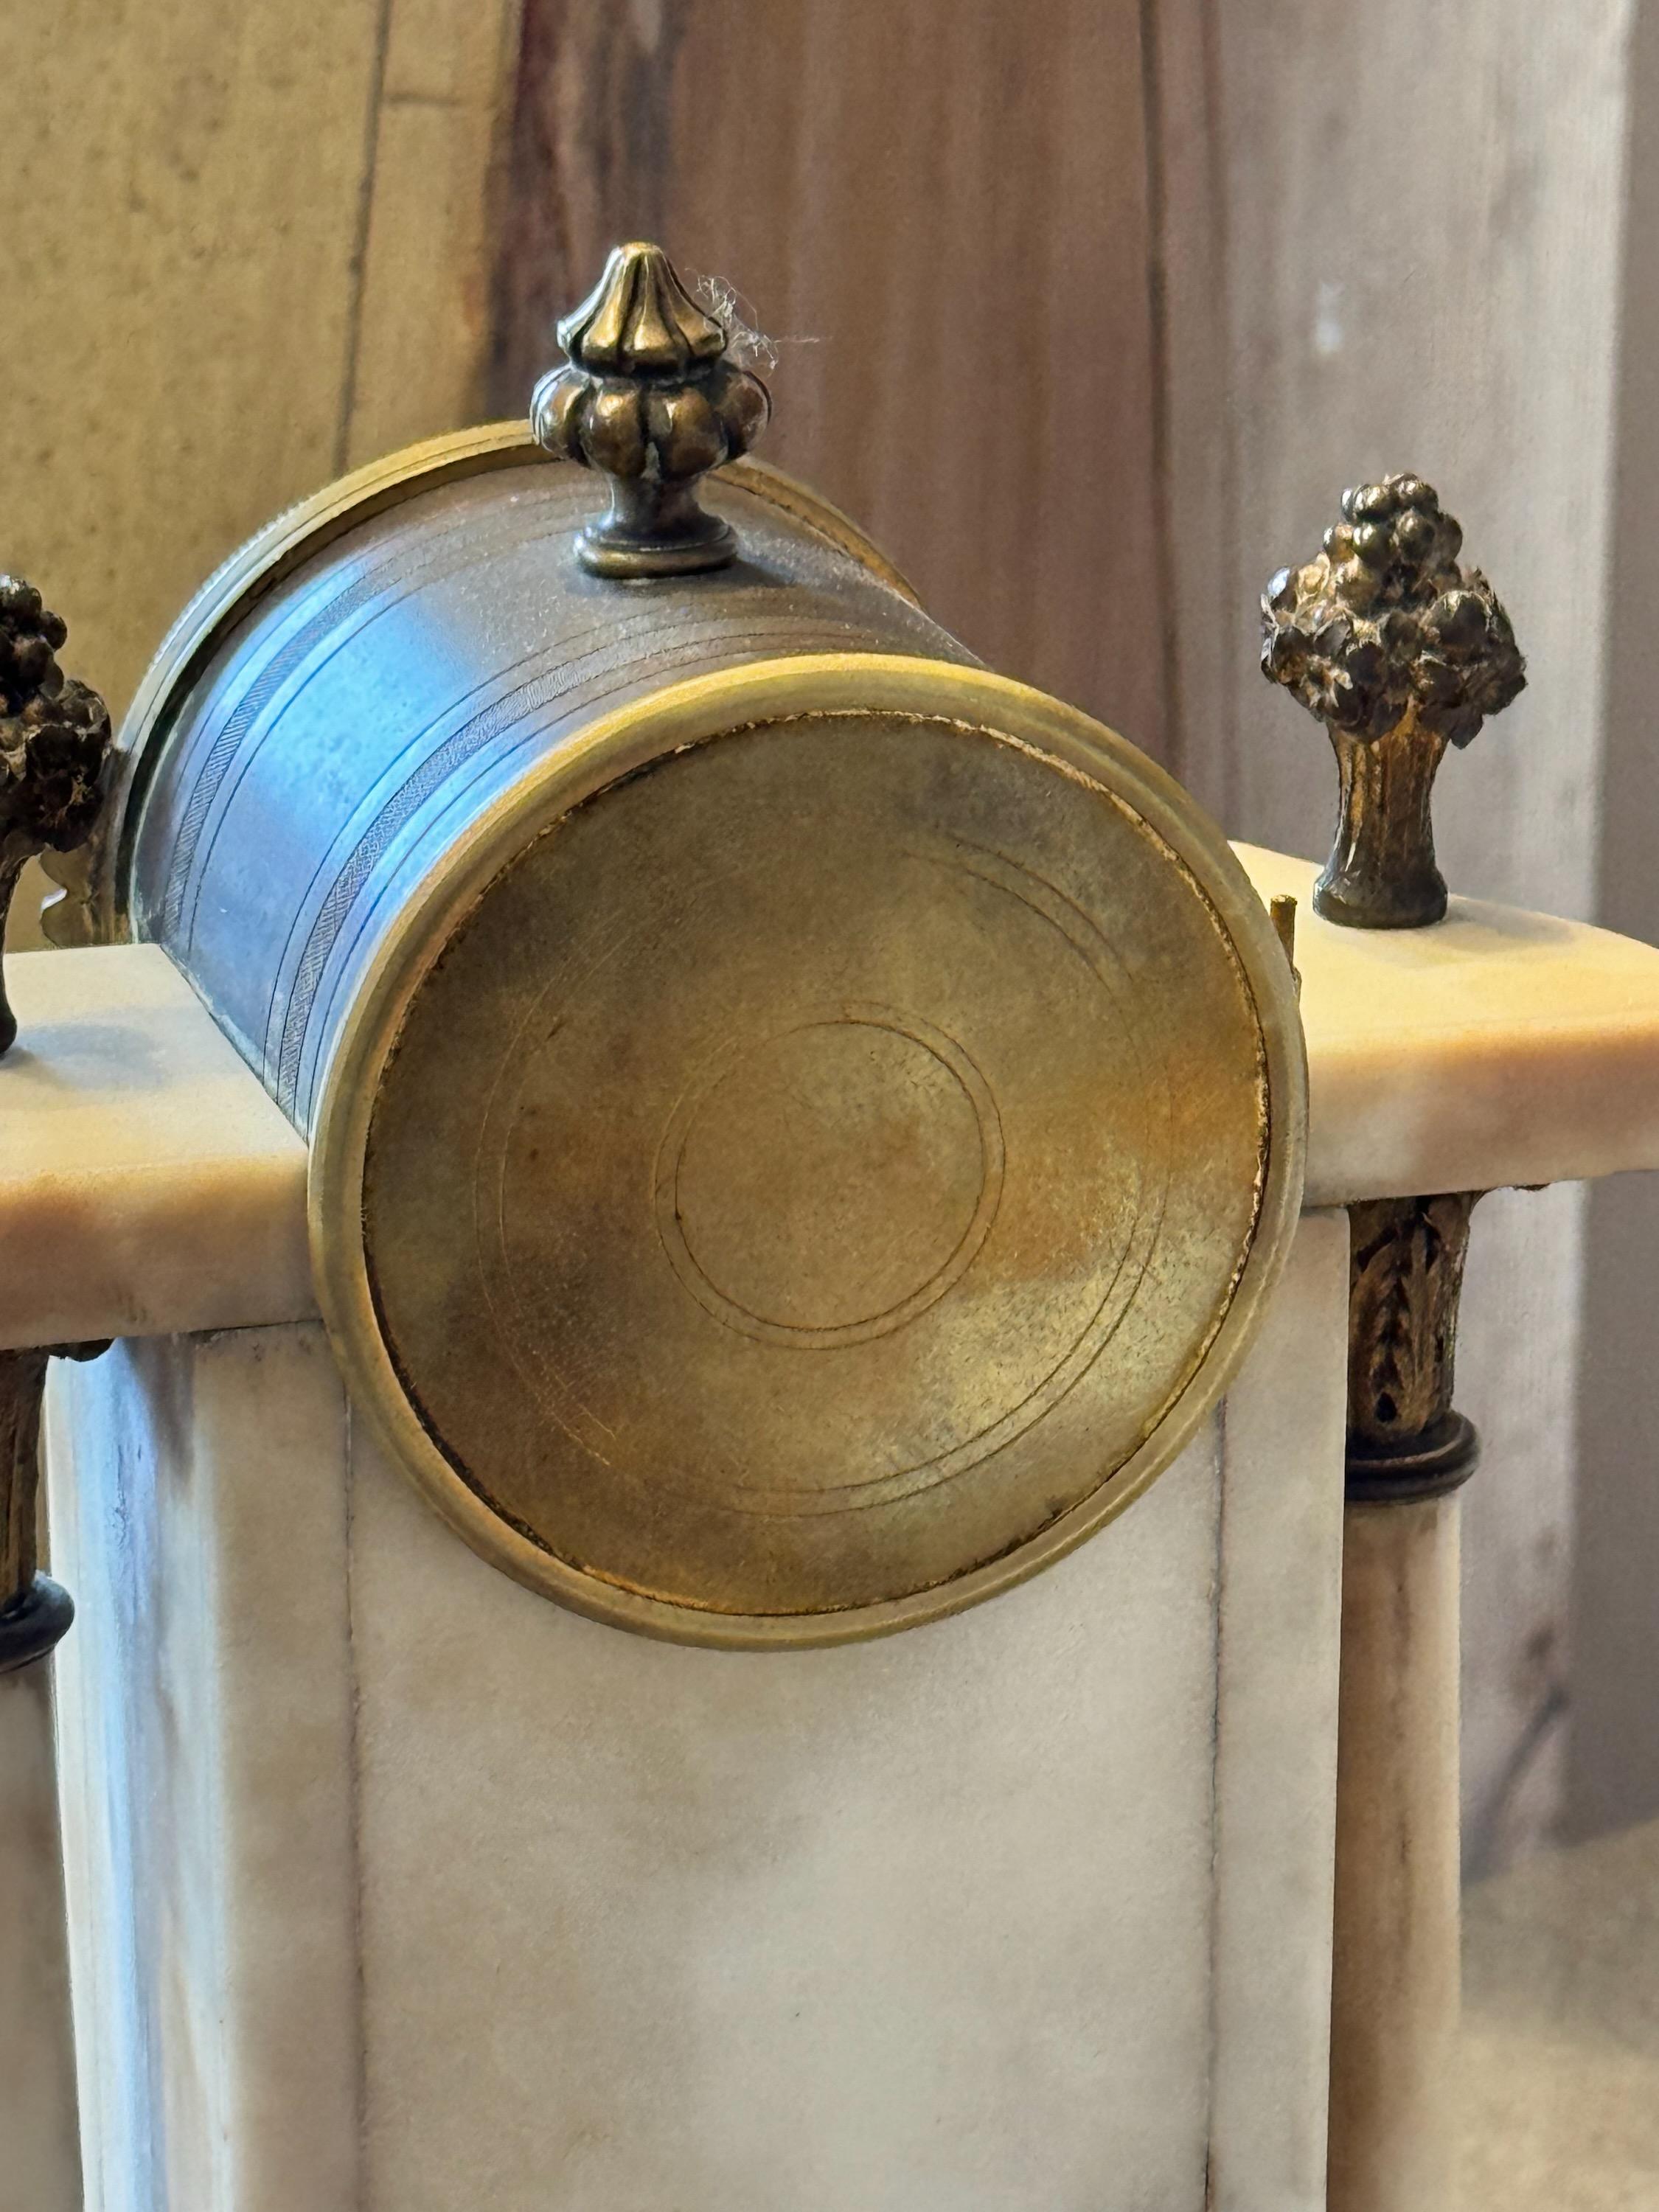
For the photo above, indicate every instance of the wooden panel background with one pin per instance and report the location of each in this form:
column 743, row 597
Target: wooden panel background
column 179, row 317
column 1087, row 308
column 940, row 213
column 1424, row 211
column 254, row 250
column 1613, row 1741
column 1089, row 312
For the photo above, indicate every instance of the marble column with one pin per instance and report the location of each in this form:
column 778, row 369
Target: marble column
column 1394, row 1963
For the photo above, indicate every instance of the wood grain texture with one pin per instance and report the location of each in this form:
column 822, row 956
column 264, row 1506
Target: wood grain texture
column 1613, row 1748
column 1194, row 459
column 940, row 214
column 254, row 254
column 179, row 301
column 1422, row 212
column 1092, row 382
column 429, row 213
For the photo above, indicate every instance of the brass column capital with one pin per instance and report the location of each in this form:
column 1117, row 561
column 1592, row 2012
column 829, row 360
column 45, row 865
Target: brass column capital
column 1404, row 1278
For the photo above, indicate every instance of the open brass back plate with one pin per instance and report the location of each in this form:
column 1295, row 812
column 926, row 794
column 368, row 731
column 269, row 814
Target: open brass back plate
column 828, row 1157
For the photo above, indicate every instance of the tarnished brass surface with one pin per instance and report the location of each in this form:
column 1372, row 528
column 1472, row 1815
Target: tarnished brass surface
column 1405, row 1440
column 919, row 1078
column 95, row 875
column 819, row 1156
column 318, row 773
column 1281, row 912
column 648, row 398
column 1399, row 652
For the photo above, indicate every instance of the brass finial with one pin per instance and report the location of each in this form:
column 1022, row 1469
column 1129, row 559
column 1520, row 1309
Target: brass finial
column 54, row 742
column 1399, row 653
column 649, row 398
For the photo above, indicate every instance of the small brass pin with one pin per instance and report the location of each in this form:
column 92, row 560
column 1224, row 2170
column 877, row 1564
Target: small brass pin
column 1281, row 911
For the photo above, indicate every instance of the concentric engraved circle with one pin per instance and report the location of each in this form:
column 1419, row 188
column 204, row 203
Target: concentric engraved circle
column 823, row 1173
column 871, row 1147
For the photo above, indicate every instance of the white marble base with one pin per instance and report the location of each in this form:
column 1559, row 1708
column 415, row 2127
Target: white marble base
column 1394, row 2001
column 398, row 1889
column 205, row 1750
column 1284, row 1428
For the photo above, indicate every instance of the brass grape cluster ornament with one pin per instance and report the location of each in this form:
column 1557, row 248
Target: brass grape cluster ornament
column 54, row 743
column 1400, row 653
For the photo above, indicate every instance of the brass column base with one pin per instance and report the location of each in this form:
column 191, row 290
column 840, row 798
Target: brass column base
column 35, row 1625
column 1431, row 1465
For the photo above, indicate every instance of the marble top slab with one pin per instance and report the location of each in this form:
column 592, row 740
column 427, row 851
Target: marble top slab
column 149, row 1185
column 1497, row 1048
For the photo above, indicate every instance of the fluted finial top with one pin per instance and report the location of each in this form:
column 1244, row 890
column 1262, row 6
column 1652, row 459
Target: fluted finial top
column 640, row 320
column 649, row 399
column 1399, row 652
column 54, row 745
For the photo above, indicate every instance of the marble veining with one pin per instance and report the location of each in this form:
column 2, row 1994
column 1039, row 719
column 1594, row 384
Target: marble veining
column 397, row 1889
column 1496, row 1048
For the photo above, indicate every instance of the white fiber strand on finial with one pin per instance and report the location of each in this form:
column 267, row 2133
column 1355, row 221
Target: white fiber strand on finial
column 749, row 348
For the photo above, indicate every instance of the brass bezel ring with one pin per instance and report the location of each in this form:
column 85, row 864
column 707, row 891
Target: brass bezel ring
column 691, row 712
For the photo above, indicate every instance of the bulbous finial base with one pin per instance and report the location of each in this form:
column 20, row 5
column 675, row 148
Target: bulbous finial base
column 644, row 535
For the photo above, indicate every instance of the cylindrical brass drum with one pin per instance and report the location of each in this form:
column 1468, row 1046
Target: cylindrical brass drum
column 801, row 1127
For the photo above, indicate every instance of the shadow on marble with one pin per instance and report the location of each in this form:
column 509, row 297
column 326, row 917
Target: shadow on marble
column 1561, row 2055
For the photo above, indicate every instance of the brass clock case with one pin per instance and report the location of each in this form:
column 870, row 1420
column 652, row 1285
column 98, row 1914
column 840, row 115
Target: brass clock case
column 816, row 1151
